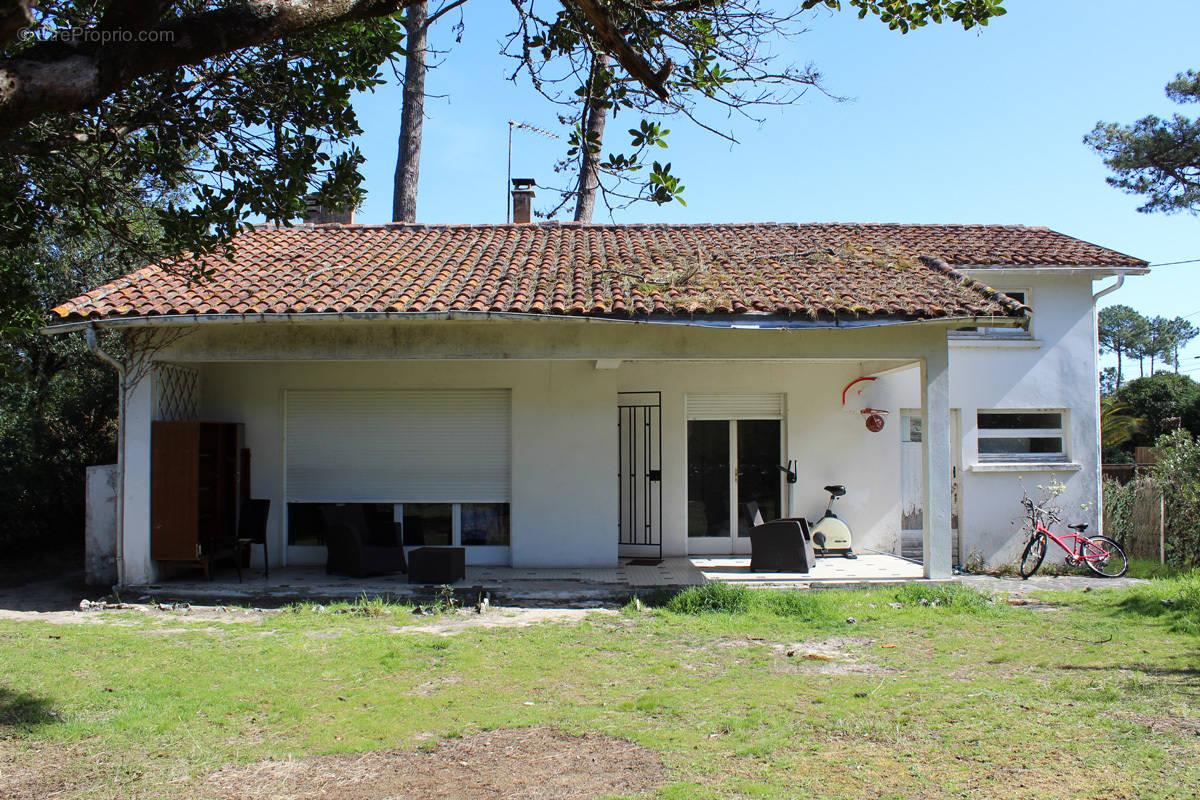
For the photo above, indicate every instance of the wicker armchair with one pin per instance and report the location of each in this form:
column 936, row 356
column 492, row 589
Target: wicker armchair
column 781, row 545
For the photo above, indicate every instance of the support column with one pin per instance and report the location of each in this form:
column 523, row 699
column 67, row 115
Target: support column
column 135, row 529
column 937, row 463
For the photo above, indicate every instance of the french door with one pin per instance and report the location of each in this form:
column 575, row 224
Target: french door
column 733, row 476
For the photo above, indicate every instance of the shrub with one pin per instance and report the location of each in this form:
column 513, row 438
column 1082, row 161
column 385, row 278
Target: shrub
column 1178, row 474
column 1117, row 500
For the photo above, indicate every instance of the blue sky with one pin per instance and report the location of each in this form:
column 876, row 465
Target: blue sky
column 944, row 125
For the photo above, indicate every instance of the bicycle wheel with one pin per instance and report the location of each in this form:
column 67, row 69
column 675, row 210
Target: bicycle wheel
column 1035, row 551
column 1105, row 557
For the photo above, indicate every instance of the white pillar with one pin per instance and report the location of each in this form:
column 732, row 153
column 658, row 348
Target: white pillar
column 935, row 452
column 136, row 517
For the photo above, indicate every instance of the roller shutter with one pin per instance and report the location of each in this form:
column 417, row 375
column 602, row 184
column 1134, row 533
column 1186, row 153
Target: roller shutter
column 451, row 446
column 735, row 406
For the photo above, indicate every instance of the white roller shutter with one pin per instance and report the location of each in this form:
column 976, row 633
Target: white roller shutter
column 735, row 406
column 450, row 446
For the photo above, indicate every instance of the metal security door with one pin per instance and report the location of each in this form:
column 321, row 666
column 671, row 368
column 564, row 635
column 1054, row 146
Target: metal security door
column 639, row 473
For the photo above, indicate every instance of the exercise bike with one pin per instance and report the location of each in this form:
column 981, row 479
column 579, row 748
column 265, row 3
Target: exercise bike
column 830, row 534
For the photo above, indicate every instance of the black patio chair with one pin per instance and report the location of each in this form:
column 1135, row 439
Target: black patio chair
column 252, row 529
column 348, row 555
column 782, row 545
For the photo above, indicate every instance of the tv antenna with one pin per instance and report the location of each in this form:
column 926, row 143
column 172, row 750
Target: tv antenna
column 521, row 126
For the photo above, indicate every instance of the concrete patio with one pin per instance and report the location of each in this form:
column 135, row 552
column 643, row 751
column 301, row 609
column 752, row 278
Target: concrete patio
column 521, row 586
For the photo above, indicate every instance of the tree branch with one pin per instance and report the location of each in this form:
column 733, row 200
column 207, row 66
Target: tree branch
column 620, row 49
column 443, row 11
column 15, row 15
column 44, row 79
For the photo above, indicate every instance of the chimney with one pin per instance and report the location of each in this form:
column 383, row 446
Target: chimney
column 522, row 200
column 320, row 214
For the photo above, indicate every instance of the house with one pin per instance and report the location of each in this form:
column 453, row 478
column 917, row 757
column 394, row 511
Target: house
column 565, row 395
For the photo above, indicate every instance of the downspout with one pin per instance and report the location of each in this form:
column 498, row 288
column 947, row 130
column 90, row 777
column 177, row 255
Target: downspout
column 94, row 346
column 1113, row 288
column 1099, row 427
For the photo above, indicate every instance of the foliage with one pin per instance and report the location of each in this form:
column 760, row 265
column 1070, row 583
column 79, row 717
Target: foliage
column 905, row 15
column 1163, row 402
column 1117, row 423
column 1108, row 381
column 1125, row 332
column 1156, row 158
column 58, row 402
column 1178, row 473
column 717, row 55
column 248, row 132
column 1122, row 330
column 1117, row 500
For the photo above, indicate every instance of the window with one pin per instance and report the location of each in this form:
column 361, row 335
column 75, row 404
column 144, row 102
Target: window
column 428, row 524
column 484, row 523
column 413, row 524
column 1021, row 296
column 911, row 428
column 1021, row 436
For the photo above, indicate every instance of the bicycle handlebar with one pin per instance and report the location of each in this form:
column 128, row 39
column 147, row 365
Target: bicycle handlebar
column 1038, row 510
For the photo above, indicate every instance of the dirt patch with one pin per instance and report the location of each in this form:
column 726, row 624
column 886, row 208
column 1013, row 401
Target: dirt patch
column 36, row 770
column 527, row 762
column 104, row 612
column 838, row 655
column 450, row 624
column 1164, row 723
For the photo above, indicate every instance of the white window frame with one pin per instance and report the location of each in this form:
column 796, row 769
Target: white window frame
column 1060, row 433
column 1001, row 333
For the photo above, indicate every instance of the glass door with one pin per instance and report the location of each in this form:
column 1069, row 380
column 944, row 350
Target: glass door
column 733, row 476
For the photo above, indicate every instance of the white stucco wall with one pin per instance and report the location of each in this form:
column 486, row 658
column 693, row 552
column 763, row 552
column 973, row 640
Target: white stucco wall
column 1055, row 369
column 832, row 445
column 100, row 525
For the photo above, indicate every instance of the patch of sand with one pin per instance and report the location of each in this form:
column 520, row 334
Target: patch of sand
column 450, row 624
column 526, row 762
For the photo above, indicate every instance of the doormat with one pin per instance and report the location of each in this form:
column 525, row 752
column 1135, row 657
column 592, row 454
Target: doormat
column 643, row 562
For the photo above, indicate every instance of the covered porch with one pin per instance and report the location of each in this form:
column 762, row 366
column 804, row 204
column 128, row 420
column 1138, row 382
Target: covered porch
column 547, row 447
column 517, row 586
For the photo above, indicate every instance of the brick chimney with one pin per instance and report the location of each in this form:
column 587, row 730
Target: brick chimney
column 319, row 214
column 522, row 200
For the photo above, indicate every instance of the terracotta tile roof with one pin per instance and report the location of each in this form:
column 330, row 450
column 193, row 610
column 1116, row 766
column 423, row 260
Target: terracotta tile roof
column 815, row 271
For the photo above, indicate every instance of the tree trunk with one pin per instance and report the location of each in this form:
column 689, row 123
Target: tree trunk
column 596, row 116
column 412, row 115
column 1118, row 368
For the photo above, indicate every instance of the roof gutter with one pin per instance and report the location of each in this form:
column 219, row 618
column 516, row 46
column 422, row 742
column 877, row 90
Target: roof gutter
column 94, row 345
column 742, row 321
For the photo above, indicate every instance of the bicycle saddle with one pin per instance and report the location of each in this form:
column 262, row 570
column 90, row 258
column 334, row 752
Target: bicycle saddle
column 836, row 491
column 1081, row 527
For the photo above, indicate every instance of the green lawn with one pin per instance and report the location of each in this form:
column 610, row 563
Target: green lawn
column 1087, row 695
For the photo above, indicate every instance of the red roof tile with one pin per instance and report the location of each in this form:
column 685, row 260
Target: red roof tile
column 817, row 270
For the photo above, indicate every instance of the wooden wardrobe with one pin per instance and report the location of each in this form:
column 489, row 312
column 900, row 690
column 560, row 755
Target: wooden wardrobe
column 194, row 493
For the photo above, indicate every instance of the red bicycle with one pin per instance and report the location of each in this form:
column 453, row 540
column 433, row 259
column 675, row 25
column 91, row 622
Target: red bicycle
column 1101, row 554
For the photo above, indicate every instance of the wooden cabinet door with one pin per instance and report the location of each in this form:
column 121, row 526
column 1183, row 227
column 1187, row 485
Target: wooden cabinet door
column 174, row 477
